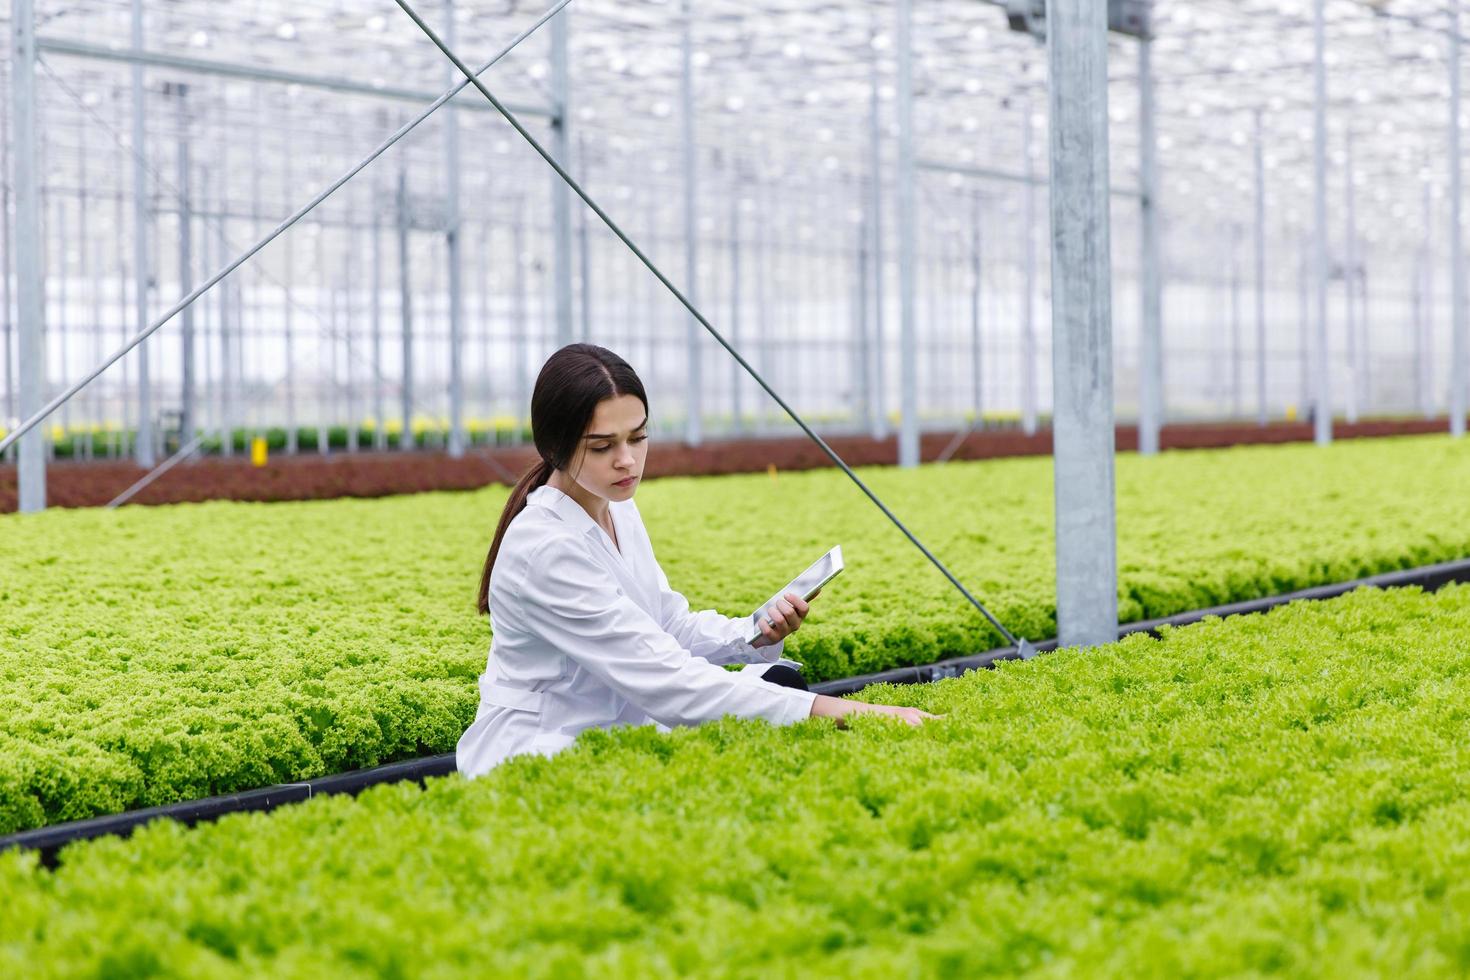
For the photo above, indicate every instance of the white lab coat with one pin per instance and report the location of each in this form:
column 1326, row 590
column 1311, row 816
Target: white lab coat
column 587, row 636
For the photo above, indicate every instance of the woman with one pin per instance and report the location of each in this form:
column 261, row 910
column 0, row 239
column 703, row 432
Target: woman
column 586, row 630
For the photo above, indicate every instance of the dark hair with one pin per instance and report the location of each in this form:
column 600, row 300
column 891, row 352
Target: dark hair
column 568, row 389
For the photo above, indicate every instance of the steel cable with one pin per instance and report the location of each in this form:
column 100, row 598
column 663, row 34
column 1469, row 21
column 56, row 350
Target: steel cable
column 142, row 335
column 1022, row 646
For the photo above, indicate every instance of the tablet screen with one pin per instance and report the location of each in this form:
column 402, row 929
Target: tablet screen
column 820, row 571
column 814, row 576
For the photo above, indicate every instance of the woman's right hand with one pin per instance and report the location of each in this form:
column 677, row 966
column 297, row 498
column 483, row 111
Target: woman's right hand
column 825, row 706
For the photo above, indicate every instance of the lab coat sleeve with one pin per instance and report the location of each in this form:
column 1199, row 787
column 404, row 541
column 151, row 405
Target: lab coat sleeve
column 570, row 602
column 718, row 639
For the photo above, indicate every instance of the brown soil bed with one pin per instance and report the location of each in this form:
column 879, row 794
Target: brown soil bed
column 310, row 476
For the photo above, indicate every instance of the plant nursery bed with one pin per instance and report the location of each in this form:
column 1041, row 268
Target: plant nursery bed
column 1286, row 793
column 312, row 476
column 49, row 840
column 157, row 654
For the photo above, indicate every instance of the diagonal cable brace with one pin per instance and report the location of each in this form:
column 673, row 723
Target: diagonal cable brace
column 144, row 334
column 1023, row 647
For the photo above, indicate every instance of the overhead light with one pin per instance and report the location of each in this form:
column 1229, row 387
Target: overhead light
column 199, row 39
column 375, row 23
column 791, row 50
column 286, row 31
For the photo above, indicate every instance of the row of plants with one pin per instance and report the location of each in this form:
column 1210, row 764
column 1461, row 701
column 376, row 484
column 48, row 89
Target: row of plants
column 88, row 442
column 1277, row 794
column 149, row 655
column 111, row 439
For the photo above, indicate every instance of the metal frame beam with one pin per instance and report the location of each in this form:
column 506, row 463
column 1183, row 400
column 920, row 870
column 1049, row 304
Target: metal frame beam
column 225, row 69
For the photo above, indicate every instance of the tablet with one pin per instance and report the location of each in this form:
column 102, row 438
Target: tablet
column 818, row 574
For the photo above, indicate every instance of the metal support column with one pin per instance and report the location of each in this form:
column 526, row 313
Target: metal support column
column 1350, row 280
column 1082, row 356
column 1151, row 337
column 58, row 316
column 737, row 374
column 1028, row 301
column 454, row 247
column 1304, row 277
column 584, row 249
column 120, row 230
column 693, row 399
column 12, row 396
column 6, row 324
column 763, row 299
column 1260, row 162
column 863, row 377
column 1426, row 313
column 29, row 282
column 351, row 263
column 293, row 434
column 1365, row 351
column 976, row 268
column 1457, row 254
column 561, row 195
column 876, row 252
column 405, row 308
column 908, row 433
column 90, row 275
column 1321, row 388
column 520, row 319
column 1236, row 348
column 188, row 407
column 143, row 448
column 375, row 314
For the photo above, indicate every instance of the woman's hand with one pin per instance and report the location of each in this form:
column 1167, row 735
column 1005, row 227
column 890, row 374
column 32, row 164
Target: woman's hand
column 830, row 707
column 785, row 618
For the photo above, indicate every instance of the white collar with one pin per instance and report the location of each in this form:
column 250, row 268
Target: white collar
column 561, row 504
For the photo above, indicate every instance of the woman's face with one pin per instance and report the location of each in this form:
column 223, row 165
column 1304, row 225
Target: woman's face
column 613, row 449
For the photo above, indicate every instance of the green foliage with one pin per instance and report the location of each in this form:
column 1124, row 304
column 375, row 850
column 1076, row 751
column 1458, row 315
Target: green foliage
column 1279, row 794
column 152, row 654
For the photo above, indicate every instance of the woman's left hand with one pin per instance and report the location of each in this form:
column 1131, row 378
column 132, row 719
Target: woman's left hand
column 784, row 618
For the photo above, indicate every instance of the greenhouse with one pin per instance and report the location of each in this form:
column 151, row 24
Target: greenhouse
column 1092, row 373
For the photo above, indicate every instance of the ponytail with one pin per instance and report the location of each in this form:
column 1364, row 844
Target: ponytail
column 535, row 477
